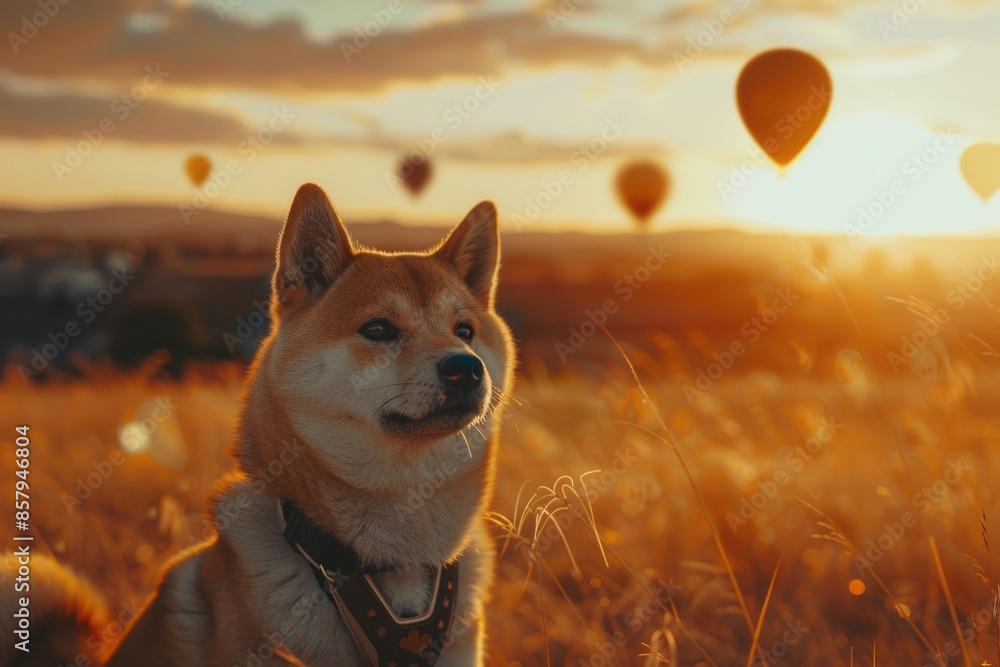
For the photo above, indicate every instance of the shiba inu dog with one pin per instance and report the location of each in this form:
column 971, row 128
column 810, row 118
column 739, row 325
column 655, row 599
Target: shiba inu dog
column 351, row 532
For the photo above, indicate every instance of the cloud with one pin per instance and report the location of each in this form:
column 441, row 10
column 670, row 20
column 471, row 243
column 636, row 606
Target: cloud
column 507, row 147
column 102, row 40
column 67, row 116
column 96, row 40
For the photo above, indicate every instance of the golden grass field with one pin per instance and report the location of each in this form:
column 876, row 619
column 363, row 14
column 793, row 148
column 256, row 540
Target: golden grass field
column 873, row 451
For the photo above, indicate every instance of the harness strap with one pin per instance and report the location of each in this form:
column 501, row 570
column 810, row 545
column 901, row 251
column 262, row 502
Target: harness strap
column 382, row 637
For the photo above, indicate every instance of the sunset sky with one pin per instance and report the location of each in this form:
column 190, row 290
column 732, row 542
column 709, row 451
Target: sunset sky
column 543, row 80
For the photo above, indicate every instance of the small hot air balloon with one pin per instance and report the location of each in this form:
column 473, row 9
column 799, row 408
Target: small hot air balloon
column 197, row 168
column 783, row 96
column 415, row 170
column 981, row 168
column 642, row 187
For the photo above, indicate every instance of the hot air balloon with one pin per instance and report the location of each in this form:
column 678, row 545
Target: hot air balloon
column 783, row 96
column 642, row 187
column 197, row 168
column 981, row 168
column 415, row 170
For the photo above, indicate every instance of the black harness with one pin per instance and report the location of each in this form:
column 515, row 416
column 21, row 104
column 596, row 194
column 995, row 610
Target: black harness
column 382, row 637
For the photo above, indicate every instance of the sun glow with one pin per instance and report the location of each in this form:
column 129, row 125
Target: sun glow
column 872, row 176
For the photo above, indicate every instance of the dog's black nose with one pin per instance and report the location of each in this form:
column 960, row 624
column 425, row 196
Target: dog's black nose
column 461, row 371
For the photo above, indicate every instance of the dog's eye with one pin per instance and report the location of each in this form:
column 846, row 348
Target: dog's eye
column 379, row 329
column 464, row 331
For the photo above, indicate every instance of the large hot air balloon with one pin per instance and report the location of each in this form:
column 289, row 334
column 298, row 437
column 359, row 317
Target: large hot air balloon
column 783, row 96
column 415, row 170
column 197, row 168
column 642, row 187
column 981, row 168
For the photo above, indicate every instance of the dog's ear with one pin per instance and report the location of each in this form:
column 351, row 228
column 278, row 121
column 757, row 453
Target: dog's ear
column 313, row 248
column 473, row 249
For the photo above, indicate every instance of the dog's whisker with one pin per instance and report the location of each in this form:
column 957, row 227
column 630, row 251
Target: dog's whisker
column 303, row 649
column 307, row 371
column 499, row 396
column 478, row 430
column 399, row 454
column 387, row 386
column 388, row 401
column 506, row 395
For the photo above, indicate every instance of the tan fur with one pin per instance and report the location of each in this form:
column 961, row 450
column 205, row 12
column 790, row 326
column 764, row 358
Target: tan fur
column 69, row 622
column 311, row 431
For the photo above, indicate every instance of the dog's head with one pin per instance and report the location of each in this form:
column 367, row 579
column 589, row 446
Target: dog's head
column 389, row 364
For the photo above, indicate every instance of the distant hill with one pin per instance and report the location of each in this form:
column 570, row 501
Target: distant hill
column 218, row 230
column 690, row 290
